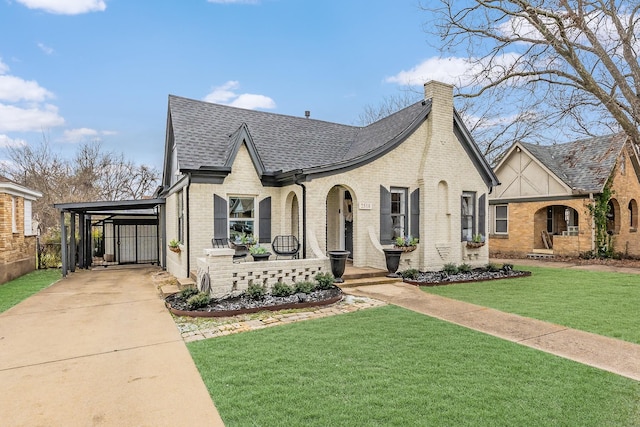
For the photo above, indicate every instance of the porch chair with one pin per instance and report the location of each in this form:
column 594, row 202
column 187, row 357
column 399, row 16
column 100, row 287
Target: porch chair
column 286, row 246
column 241, row 252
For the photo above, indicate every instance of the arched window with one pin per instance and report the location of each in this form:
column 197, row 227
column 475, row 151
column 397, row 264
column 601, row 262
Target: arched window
column 633, row 214
column 613, row 217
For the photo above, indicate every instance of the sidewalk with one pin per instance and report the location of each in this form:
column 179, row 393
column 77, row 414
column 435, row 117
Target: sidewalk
column 619, row 357
column 98, row 348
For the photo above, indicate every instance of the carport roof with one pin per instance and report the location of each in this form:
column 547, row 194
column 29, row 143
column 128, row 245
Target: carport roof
column 109, row 206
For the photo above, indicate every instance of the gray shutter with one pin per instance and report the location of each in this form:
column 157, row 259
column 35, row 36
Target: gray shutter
column 415, row 214
column 386, row 225
column 220, row 227
column 462, row 218
column 482, row 214
column 264, row 224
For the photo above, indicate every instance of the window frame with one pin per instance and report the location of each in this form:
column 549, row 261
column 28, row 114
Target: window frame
column 504, row 219
column 180, row 216
column 253, row 220
column 403, row 215
column 471, row 218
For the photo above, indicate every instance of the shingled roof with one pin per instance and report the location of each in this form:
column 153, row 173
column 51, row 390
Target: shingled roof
column 584, row 165
column 205, row 135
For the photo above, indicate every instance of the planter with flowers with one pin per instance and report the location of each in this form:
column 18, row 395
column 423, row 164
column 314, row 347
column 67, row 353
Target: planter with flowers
column 259, row 253
column 406, row 243
column 476, row 242
column 174, row 246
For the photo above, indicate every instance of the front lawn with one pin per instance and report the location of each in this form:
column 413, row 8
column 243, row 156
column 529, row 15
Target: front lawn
column 599, row 302
column 390, row 366
column 11, row 293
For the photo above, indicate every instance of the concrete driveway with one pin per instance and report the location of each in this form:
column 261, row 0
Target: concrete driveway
column 98, row 348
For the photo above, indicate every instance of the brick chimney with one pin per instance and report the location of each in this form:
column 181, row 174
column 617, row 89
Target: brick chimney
column 441, row 96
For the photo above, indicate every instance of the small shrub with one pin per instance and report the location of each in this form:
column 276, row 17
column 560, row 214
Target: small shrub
column 187, row 293
column 324, row 281
column 256, row 291
column 281, row 290
column 198, row 300
column 492, row 267
column 464, row 268
column 507, row 267
column 450, row 268
column 305, row 287
column 410, row 274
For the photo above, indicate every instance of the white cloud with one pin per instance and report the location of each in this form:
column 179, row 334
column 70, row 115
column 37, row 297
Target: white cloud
column 77, row 135
column 82, row 134
column 17, row 119
column 15, row 89
column 226, row 95
column 66, row 7
column 5, row 141
column 460, row 72
column 46, row 49
column 4, row 68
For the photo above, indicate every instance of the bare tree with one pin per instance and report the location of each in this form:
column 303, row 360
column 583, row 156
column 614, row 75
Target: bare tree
column 92, row 175
column 571, row 61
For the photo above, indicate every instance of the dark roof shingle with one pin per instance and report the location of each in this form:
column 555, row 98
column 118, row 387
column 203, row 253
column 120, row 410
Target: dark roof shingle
column 204, row 133
column 584, row 165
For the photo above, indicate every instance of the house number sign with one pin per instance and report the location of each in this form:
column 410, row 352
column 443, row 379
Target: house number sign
column 365, row 206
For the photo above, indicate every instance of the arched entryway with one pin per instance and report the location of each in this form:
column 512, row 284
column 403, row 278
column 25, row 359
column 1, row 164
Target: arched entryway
column 292, row 215
column 558, row 220
column 340, row 219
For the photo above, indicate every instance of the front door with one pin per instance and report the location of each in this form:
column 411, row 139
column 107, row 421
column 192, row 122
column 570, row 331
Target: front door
column 348, row 223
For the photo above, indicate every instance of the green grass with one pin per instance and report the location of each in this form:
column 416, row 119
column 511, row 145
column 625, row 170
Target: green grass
column 11, row 293
column 393, row 367
column 599, row 302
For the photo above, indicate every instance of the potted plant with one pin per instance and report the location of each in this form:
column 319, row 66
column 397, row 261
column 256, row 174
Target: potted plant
column 174, row 246
column 259, row 253
column 406, row 243
column 476, row 242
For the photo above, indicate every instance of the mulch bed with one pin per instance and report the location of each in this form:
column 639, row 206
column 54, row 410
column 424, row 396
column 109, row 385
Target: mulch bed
column 244, row 305
column 440, row 278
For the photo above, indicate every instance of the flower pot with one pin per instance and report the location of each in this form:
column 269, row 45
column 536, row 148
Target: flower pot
column 338, row 263
column 475, row 245
column 405, row 248
column 392, row 258
column 261, row 257
column 175, row 249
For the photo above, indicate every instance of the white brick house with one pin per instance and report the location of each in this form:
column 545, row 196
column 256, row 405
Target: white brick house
column 333, row 186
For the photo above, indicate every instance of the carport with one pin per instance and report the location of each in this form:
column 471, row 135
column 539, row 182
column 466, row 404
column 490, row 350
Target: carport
column 120, row 232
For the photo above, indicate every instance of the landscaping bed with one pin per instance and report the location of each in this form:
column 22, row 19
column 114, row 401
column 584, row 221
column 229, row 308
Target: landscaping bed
column 461, row 274
column 281, row 296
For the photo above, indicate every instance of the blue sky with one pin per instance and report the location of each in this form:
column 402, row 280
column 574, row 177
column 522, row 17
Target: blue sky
column 80, row 70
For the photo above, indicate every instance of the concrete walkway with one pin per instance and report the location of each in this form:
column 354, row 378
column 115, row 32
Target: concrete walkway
column 619, row 357
column 98, row 348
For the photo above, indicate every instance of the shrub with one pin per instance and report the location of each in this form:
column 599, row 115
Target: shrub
column 256, row 291
column 492, row 267
column 187, row 293
column 450, row 268
column 305, row 287
column 281, row 290
column 198, row 300
column 410, row 274
column 464, row 268
column 324, row 281
column 507, row 267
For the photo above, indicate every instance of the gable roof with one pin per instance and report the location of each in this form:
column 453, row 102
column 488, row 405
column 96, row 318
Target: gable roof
column 11, row 187
column 207, row 138
column 583, row 165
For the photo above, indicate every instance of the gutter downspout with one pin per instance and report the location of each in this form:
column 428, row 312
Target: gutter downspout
column 304, row 215
column 186, row 214
column 593, row 224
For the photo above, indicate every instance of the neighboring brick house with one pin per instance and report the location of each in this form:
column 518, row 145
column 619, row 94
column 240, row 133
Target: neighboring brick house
column 416, row 172
column 541, row 206
column 17, row 238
